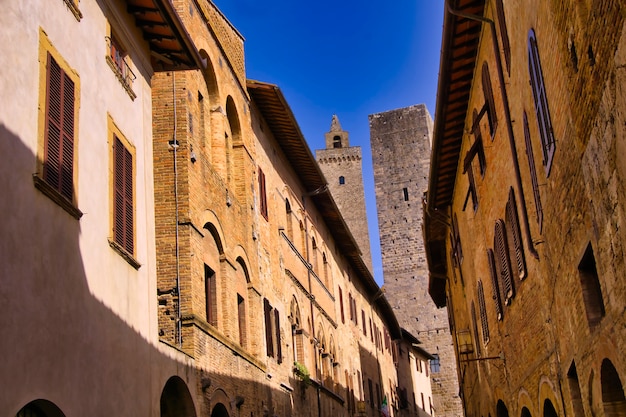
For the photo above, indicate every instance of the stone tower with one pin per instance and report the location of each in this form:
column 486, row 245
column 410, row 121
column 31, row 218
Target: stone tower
column 401, row 141
column 341, row 165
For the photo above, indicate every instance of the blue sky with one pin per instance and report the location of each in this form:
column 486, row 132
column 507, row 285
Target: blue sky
column 345, row 57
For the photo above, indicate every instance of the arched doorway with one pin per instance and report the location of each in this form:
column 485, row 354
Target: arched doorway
column 501, row 410
column 548, row 409
column 176, row 400
column 613, row 399
column 40, row 408
column 525, row 412
column 219, row 411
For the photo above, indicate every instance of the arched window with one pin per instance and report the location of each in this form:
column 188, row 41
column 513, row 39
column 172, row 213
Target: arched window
column 613, row 399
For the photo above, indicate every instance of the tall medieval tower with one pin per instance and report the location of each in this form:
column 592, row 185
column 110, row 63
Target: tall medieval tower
column 341, row 165
column 401, row 141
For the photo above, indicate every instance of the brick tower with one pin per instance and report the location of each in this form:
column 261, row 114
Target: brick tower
column 341, row 165
column 400, row 141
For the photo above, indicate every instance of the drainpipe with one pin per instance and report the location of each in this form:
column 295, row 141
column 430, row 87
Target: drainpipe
column 174, row 145
column 507, row 113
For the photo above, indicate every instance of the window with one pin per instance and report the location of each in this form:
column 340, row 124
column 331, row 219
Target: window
column 514, row 237
column 58, row 115
column 476, row 149
column 494, row 284
column 483, row 312
column 435, row 365
column 241, row 316
column 364, row 325
column 489, row 101
column 123, row 196
column 211, row 295
column 117, row 60
column 272, row 331
column 122, row 168
column 343, row 318
column 541, row 103
column 337, row 142
column 590, row 283
column 342, row 180
column 533, row 173
column 73, row 6
column 405, row 193
column 262, row 194
column 503, row 262
column 506, row 47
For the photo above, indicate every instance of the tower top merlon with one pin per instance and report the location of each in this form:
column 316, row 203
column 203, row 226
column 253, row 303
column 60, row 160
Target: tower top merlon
column 336, row 137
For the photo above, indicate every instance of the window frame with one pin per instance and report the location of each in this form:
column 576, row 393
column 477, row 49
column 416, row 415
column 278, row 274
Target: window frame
column 54, row 190
column 542, row 109
column 125, row 248
column 262, row 194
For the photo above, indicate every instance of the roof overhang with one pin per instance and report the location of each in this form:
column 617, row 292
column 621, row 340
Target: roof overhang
column 460, row 42
column 171, row 47
column 279, row 117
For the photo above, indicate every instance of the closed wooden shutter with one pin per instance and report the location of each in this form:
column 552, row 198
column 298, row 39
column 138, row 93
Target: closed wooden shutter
column 267, row 308
column 123, row 229
column 58, row 169
column 279, row 349
column 241, row 315
column 483, row 312
column 494, row 284
column 262, row 194
column 514, row 236
column 533, row 173
column 503, row 261
column 489, row 101
column 343, row 318
column 504, row 34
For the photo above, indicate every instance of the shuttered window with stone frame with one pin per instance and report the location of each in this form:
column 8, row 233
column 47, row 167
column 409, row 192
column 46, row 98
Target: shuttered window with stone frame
column 514, row 237
column 123, row 210
column 542, row 110
column 483, row 312
column 476, row 149
column 497, row 299
column 262, row 194
column 489, row 100
column 533, row 173
column 58, row 160
column 503, row 262
column 504, row 34
column 269, row 339
column 279, row 349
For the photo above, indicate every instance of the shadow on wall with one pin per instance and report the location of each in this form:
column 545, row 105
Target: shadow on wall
column 67, row 354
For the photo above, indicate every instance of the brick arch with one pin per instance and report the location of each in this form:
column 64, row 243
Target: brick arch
column 240, row 254
column 216, row 229
column 547, row 391
column 220, row 403
column 208, row 72
column 524, row 401
column 176, row 399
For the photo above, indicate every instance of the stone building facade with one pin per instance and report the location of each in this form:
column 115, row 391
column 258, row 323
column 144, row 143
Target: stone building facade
column 400, row 141
column 525, row 205
column 343, row 168
column 260, row 281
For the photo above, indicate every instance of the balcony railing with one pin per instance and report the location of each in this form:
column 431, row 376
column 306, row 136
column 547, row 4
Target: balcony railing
column 117, row 61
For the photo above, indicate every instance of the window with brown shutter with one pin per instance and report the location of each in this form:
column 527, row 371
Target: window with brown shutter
column 123, row 210
column 503, row 262
column 533, row 173
column 542, row 111
column 514, row 237
column 489, row 101
column 343, row 318
column 210, row 295
column 483, row 312
column 241, row 316
column 262, row 194
column 504, row 34
column 279, row 349
column 497, row 299
column 58, row 161
column 269, row 343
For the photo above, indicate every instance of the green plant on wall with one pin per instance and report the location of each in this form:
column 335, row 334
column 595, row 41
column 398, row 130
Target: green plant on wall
column 302, row 372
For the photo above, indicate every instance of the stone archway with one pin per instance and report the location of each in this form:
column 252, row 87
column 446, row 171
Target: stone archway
column 613, row 399
column 176, row 400
column 40, row 408
column 219, row 410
